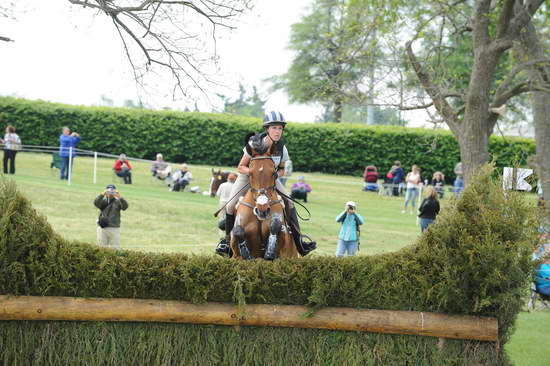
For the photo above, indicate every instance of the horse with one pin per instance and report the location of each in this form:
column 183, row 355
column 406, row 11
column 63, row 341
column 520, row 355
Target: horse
column 260, row 229
column 218, row 177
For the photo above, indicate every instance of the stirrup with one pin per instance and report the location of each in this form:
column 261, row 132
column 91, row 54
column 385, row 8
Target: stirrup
column 305, row 247
column 223, row 248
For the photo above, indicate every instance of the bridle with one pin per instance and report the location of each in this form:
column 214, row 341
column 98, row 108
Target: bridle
column 256, row 193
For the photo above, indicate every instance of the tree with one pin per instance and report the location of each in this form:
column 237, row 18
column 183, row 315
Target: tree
column 530, row 49
column 6, row 11
column 493, row 27
column 246, row 106
column 157, row 35
column 335, row 47
column 379, row 116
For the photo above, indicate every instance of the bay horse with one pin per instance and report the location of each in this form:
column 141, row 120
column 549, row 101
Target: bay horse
column 261, row 230
column 218, row 177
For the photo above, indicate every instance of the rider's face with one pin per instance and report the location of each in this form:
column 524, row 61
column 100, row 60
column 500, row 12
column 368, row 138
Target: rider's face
column 275, row 132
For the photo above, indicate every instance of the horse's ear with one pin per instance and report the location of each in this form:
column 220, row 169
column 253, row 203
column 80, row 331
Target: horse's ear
column 246, row 144
column 212, row 171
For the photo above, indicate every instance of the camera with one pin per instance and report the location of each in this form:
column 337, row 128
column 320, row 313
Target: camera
column 111, row 191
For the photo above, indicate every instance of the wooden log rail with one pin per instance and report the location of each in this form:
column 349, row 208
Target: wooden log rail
column 345, row 319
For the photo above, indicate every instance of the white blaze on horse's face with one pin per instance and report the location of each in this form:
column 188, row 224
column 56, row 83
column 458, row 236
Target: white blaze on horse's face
column 262, row 202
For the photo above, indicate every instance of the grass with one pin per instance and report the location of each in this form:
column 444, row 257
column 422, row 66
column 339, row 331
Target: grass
column 159, row 220
column 162, row 221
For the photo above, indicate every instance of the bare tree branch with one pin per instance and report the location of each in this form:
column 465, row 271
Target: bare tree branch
column 166, row 43
column 507, row 90
column 434, row 91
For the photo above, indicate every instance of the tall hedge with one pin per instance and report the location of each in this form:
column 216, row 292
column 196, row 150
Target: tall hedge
column 474, row 260
column 217, row 139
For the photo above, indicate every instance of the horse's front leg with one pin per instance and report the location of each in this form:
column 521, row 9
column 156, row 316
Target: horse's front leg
column 274, row 230
column 239, row 234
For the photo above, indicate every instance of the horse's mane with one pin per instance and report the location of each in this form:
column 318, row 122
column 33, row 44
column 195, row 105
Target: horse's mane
column 255, row 141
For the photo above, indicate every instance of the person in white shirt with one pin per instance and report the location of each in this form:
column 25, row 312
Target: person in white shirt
column 12, row 143
column 224, row 193
column 413, row 180
column 181, row 178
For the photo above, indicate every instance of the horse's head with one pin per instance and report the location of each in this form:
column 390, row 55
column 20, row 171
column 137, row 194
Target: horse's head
column 262, row 175
column 217, row 178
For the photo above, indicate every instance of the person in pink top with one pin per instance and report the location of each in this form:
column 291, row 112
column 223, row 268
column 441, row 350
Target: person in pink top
column 300, row 189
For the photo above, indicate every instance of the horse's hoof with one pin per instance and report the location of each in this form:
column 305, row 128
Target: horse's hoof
column 269, row 256
column 245, row 252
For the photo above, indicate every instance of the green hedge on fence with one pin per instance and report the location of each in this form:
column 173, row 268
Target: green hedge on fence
column 474, row 260
column 217, row 139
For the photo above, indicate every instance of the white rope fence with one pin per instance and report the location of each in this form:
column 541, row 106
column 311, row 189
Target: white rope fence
column 72, row 153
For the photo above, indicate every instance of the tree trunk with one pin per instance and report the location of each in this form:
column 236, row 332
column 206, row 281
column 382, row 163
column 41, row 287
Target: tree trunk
column 539, row 74
column 474, row 131
column 541, row 116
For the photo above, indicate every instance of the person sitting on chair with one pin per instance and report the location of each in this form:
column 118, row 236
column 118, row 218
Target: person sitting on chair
column 181, row 178
column 123, row 169
column 160, row 168
column 438, row 181
column 542, row 278
column 370, row 176
column 300, row 189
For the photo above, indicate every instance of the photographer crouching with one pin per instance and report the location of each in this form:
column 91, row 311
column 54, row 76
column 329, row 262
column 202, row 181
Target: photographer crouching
column 108, row 224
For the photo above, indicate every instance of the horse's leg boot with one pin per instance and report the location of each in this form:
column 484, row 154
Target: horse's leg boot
column 239, row 234
column 223, row 248
column 274, row 229
column 303, row 247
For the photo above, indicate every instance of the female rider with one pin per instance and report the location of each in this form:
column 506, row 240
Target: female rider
column 274, row 125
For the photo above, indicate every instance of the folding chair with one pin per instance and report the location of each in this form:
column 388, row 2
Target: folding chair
column 543, row 299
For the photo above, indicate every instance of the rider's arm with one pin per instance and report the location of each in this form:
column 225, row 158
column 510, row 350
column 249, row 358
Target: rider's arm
column 243, row 165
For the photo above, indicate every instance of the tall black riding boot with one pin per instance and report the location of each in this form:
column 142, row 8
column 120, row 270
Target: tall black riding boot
column 304, row 247
column 223, row 248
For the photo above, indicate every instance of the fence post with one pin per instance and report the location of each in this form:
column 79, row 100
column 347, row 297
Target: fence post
column 70, row 164
column 95, row 167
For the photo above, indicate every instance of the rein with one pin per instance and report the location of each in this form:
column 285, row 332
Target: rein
column 223, row 207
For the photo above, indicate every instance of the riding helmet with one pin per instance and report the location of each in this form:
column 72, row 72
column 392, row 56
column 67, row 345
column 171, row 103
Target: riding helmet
column 274, row 118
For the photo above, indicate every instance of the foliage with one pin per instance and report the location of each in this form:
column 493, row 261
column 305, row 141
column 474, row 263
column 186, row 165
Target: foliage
column 335, row 45
column 382, row 116
column 106, row 344
column 216, row 139
column 252, row 106
column 474, row 260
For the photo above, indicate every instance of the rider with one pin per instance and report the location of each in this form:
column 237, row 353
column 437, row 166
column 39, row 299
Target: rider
column 274, row 125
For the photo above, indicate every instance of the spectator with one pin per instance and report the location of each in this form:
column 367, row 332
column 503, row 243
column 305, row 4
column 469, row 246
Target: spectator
column 181, row 178
column 300, row 189
column 370, row 176
column 438, row 182
column 388, row 181
column 160, row 168
column 123, row 169
column 348, row 238
column 110, row 203
column 12, row 143
column 542, row 278
column 397, row 178
column 429, row 209
column 288, row 172
column 414, row 180
column 224, row 193
column 67, row 150
column 458, row 185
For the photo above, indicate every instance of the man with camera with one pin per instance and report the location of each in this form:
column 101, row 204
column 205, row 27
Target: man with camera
column 110, row 203
column 348, row 239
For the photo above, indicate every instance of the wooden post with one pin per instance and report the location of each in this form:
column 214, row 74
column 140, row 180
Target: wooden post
column 347, row 319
